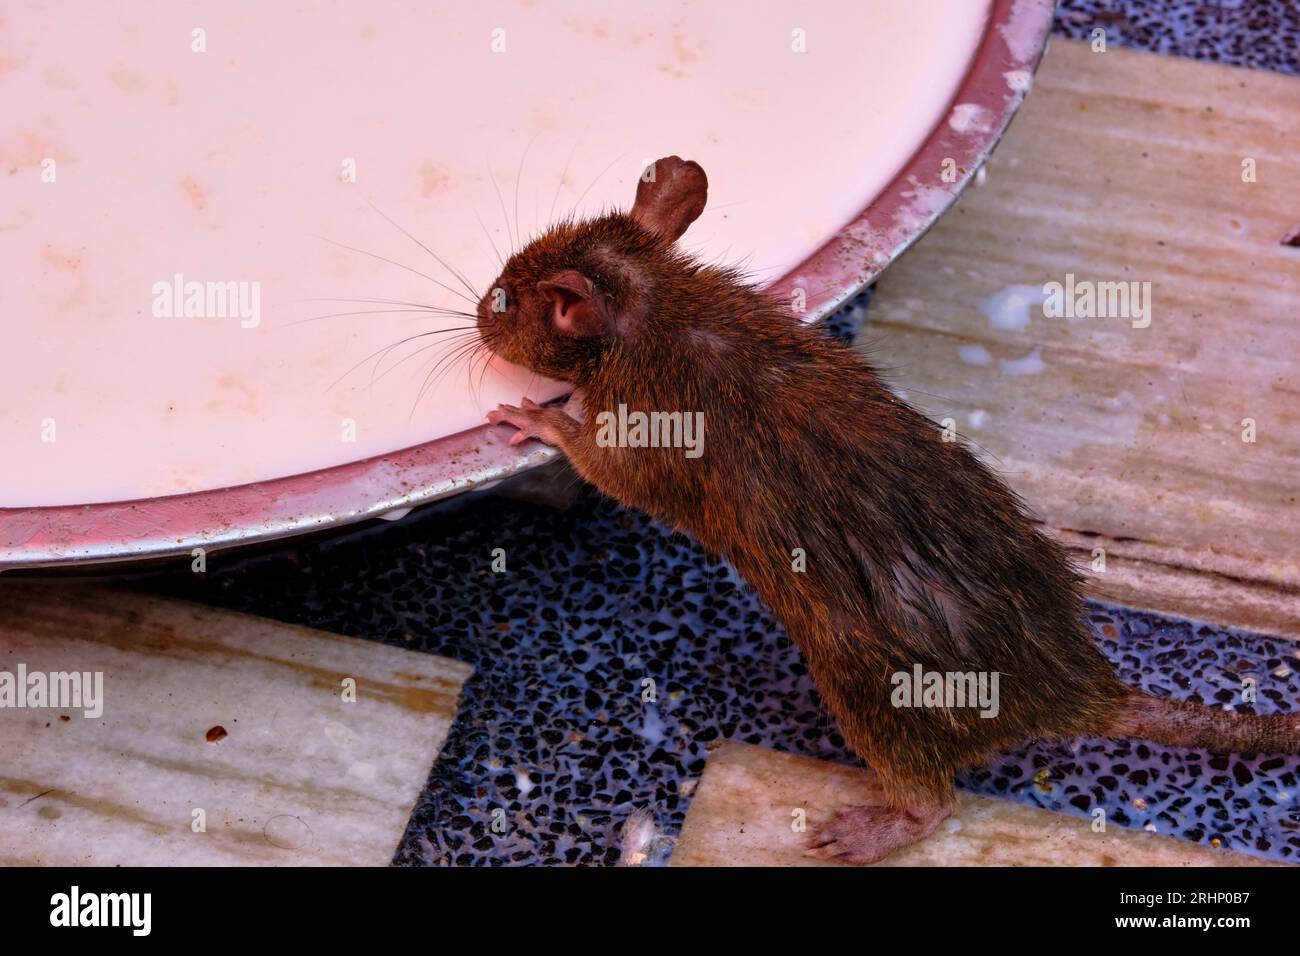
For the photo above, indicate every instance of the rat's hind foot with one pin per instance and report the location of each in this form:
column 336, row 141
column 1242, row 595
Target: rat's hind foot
column 868, row 834
column 551, row 425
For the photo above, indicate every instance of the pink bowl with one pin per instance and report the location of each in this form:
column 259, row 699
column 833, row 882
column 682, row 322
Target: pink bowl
column 390, row 485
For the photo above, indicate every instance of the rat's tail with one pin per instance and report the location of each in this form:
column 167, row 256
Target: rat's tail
column 1181, row 723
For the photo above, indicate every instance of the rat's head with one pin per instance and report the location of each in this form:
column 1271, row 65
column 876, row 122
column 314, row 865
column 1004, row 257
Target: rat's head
column 565, row 297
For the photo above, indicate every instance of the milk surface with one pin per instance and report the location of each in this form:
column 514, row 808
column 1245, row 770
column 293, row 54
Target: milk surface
column 179, row 181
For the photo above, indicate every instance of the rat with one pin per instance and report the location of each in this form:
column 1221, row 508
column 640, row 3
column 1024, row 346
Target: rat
column 913, row 551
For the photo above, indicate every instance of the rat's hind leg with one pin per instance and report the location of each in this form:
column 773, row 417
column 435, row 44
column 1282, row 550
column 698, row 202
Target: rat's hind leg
column 915, row 793
column 868, row 834
column 911, row 755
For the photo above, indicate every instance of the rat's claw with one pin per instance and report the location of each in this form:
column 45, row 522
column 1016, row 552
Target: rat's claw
column 550, row 425
column 868, row 834
column 527, row 419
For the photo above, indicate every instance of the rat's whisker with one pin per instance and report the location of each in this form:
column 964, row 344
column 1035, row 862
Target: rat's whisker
column 420, row 306
column 389, row 348
column 473, row 296
column 486, row 353
column 481, row 346
column 459, row 351
column 598, row 178
column 514, row 245
column 448, row 362
column 550, row 215
column 374, row 376
column 519, row 175
column 447, row 344
column 400, row 265
column 490, row 240
column 339, row 315
column 487, row 362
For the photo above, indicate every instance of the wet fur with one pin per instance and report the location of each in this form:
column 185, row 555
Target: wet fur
column 916, row 553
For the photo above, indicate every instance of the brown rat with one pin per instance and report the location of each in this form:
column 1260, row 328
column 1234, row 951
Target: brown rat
column 916, row 554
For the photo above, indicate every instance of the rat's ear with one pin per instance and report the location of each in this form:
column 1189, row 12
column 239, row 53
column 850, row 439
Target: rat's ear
column 574, row 310
column 670, row 196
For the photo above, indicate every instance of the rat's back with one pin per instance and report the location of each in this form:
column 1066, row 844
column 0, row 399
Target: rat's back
column 887, row 551
column 881, row 546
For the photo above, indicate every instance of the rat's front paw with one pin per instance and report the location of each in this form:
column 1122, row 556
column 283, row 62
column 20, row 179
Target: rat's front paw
column 533, row 421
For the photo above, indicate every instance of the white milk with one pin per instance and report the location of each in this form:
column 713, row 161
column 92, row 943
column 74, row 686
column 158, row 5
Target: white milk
column 224, row 166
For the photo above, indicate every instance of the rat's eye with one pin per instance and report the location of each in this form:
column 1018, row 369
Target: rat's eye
column 501, row 300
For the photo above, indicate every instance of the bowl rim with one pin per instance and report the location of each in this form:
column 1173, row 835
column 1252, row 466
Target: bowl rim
column 196, row 524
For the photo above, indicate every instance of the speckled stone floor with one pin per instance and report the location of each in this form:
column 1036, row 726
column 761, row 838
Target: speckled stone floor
column 553, row 728
column 1262, row 34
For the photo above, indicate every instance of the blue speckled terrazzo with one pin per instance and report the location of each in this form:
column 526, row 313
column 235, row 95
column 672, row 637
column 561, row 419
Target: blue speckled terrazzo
column 1248, row 803
column 597, row 598
column 1261, row 34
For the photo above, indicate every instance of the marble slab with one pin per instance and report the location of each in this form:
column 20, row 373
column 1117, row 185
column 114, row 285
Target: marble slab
column 1125, row 166
column 744, row 810
column 224, row 739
